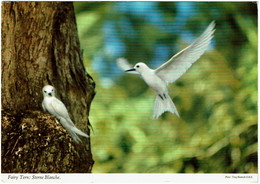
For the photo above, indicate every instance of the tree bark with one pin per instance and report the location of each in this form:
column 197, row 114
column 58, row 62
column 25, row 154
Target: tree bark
column 40, row 46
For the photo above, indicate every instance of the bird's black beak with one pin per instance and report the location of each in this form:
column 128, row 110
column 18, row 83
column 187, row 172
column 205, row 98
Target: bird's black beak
column 49, row 94
column 133, row 69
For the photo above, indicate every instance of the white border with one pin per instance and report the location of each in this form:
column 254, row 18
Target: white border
column 129, row 178
column 137, row 178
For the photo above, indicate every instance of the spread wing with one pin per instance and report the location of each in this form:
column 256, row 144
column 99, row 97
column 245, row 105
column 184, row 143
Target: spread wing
column 178, row 64
column 123, row 64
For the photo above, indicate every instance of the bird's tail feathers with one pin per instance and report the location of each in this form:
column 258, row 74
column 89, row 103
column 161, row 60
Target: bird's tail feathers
column 163, row 103
column 79, row 132
column 74, row 136
column 73, row 130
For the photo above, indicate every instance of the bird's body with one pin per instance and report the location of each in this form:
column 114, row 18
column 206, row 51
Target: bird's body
column 155, row 82
column 169, row 71
column 55, row 107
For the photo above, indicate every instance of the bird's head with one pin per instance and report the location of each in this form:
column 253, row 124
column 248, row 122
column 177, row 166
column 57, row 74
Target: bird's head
column 48, row 91
column 139, row 67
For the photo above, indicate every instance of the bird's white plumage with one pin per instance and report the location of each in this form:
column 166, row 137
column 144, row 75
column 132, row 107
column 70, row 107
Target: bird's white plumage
column 160, row 106
column 170, row 71
column 55, row 107
column 177, row 65
column 60, row 110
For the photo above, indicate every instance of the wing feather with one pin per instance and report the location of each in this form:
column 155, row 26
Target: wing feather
column 178, row 64
column 61, row 110
column 123, row 64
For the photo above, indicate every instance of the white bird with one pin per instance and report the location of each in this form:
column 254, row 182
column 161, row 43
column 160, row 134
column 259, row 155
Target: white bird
column 55, row 107
column 169, row 71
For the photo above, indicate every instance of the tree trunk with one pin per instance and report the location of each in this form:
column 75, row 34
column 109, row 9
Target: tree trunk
column 40, row 46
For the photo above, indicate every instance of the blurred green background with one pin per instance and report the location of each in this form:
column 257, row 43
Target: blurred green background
column 216, row 98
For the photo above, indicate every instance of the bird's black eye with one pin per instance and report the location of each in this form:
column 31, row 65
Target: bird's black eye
column 45, row 91
column 52, row 90
column 137, row 66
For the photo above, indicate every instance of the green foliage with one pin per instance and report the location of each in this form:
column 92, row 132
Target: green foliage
column 216, row 98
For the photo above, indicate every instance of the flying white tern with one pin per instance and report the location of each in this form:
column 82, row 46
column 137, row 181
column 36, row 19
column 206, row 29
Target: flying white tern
column 55, row 107
column 169, row 71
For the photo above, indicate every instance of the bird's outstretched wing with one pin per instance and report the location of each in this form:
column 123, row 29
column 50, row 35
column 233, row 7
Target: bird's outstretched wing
column 61, row 110
column 123, row 64
column 178, row 64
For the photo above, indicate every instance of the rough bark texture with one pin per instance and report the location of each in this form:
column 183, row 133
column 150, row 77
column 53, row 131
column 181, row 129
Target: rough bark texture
column 40, row 46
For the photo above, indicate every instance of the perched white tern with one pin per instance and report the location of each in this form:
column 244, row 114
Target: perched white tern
column 169, row 71
column 55, row 107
